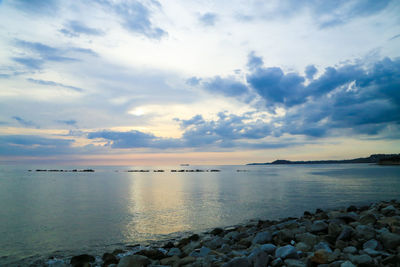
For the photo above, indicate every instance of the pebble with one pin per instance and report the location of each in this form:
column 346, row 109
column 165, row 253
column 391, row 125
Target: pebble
column 287, row 251
column 365, row 236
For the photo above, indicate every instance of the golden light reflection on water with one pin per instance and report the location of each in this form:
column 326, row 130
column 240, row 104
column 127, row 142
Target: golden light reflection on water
column 162, row 198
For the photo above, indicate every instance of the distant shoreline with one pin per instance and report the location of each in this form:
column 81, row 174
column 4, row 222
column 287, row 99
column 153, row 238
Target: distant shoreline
column 382, row 159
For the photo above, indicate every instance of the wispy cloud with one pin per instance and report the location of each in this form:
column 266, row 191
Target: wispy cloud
column 75, row 28
column 24, row 122
column 208, row 19
column 51, row 83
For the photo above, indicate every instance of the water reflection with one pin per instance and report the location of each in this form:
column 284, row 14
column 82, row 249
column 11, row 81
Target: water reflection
column 43, row 212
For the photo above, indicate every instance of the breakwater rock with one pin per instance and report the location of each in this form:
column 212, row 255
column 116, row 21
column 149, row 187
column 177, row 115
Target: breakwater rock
column 352, row 236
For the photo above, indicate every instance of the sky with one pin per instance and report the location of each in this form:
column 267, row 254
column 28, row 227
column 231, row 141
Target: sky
column 121, row 82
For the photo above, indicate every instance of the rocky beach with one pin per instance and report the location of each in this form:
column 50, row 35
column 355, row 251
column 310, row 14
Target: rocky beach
column 353, row 236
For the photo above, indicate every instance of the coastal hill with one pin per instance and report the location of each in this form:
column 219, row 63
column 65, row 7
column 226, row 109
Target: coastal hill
column 384, row 159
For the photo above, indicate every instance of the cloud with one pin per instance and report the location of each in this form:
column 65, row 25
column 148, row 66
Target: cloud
column 193, row 81
column 51, row 83
column 31, row 63
column 394, row 37
column 31, row 145
column 325, row 14
column 253, row 61
column 276, row 87
column 24, row 122
column 36, row 54
column 68, row 122
column 75, row 28
column 228, row 86
column 48, row 7
column 135, row 139
column 208, row 19
column 135, row 17
column 311, row 70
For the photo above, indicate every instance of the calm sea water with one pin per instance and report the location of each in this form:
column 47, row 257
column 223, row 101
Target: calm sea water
column 47, row 213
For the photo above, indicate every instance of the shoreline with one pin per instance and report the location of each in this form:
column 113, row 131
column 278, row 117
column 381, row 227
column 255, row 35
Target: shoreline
column 366, row 235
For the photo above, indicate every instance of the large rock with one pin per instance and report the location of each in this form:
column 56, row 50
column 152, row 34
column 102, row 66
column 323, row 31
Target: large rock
column 347, row 264
column 324, row 246
column 372, row 244
column 364, row 232
column 187, row 260
column 174, row 251
column 307, row 238
column 321, row 256
column 294, row 263
column 81, row 260
column 134, row 261
column 268, row 248
column 170, row 260
column 287, row 251
column 346, row 234
column 262, row 238
column 237, row 262
column 319, row 226
column 390, row 240
column 109, row 259
column 258, row 258
column 368, row 218
column 361, row 260
column 389, row 211
column 152, row 253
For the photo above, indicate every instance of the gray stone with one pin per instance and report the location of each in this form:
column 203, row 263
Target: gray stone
column 258, row 258
column 346, row 233
column 365, row 232
column 174, row 251
column 237, row 262
column 232, row 235
column 390, row 240
column 187, row 260
column 389, row 211
column 307, row 238
column 318, row 226
column 277, row 262
column 262, row 238
column 134, row 261
column 361, row 259
column 287, row 251
column 372, row 244
column 349, row 217
column 368, row 218
column 268, row 248
column 190, row 247
column 371, row 252
column 294, row 263
column 225, row 248
column 324, row 246
column 334, row 229
column 347, row 264
column 215, row 243
column 170, row 260
column 302, row 247
column 350, row 250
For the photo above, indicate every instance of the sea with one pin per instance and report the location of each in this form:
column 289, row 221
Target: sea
column 59, row 214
